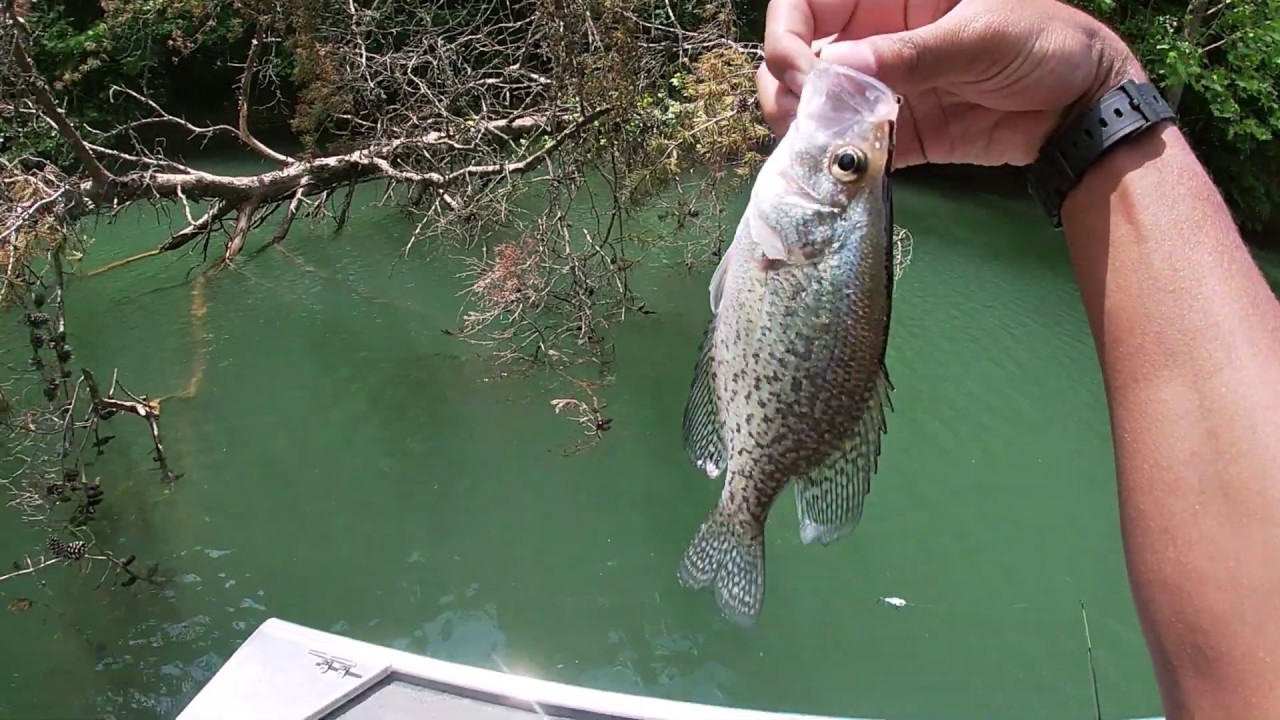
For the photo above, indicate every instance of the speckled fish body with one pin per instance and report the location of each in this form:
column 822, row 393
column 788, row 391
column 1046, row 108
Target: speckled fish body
column 791, row 385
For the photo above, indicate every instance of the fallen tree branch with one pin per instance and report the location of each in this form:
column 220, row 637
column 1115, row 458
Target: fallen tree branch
column 79, row 555
column 50, row 445
column 200, row 228
column 466, row 112
column 319, row 174
column 244, row 220
column 291, row 212
column 31, row 566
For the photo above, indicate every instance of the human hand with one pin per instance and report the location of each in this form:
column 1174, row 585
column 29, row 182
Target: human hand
column 984, row 82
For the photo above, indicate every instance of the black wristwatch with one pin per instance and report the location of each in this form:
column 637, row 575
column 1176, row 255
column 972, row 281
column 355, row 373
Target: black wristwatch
column 1122, row 113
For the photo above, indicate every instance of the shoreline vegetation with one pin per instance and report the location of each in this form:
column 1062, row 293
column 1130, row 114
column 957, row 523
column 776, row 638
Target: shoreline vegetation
column 1219, row 63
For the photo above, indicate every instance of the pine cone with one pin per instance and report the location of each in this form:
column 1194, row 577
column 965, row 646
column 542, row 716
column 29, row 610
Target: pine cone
column 76, row 550
column 56, row 546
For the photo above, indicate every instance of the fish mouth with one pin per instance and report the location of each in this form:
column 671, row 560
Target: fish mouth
column 843, row 99
column 841, row 106
column 821, row 68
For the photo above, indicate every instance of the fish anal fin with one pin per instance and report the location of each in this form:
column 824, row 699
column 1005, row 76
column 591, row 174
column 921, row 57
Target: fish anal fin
column 829, row 501
column 703, row 437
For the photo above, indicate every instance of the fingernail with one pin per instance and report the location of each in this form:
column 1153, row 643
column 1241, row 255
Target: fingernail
column 850, row 53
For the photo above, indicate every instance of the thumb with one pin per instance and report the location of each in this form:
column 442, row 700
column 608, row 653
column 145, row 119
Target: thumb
column 912, row 60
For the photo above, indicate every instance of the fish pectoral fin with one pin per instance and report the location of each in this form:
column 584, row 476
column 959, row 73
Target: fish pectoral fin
column 718, row 279
column 829, row 501
column 703, row 436
column 732, row 254
column 771, row 244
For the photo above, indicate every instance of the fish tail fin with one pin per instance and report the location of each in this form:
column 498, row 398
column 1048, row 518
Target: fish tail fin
column 728, row 552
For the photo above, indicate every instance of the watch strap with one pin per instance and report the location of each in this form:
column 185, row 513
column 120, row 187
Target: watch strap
column 1122, row 113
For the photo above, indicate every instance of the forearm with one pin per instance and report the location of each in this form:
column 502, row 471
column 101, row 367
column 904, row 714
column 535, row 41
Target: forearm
column 1188, row 337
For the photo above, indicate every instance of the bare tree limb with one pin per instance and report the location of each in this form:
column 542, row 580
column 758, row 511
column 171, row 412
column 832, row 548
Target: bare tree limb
column 246, row 90
column 30, row 566
column 292, row 212
column 48, row 443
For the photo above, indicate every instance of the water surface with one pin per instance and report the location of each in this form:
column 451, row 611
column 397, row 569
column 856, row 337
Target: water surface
column 350, row 467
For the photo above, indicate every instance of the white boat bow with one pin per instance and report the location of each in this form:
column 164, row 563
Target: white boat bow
column 285, row 671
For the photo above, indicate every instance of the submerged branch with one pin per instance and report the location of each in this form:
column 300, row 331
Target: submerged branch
column 52, row 445
column 106, row 406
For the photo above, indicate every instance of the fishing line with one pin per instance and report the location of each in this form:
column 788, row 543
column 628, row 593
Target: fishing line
column 1093, row 673
column 901, row 604
column 896, row 603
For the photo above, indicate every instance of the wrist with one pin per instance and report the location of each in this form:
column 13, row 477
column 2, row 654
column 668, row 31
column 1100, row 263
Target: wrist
column 1116, row 64
column 1120, row 107
column 1107, row 179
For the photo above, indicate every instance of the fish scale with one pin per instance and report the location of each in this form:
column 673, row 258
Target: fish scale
column 791, row 384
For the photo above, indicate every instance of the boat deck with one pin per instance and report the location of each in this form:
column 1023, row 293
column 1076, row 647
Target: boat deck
column 285, row 671
column 291, row 672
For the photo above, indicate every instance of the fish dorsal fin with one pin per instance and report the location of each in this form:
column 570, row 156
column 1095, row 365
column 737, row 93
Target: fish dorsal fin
column 703, row 438
column 829, row 500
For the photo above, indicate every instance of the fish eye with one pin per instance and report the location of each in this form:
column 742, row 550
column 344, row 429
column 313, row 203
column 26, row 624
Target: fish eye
column 848, row 164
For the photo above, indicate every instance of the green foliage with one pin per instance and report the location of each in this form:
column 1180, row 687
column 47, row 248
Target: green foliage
column 673, row 113
column 174, row 51
column 704, row 117
column 1223, row 60
column 132, row 43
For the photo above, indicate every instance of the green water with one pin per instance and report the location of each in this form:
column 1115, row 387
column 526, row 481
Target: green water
column 350, row 467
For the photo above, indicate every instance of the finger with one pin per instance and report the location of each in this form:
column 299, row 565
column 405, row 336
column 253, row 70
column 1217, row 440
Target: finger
column 930, row 56
column 874, row 18
column 777, row 102
column 792, row 26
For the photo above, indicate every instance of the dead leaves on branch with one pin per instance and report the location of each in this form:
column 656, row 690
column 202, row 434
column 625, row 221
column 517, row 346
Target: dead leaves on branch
column 419, row 93
column 462, row 110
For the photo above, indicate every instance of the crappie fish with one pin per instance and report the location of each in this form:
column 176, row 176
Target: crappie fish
column 791, row 385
